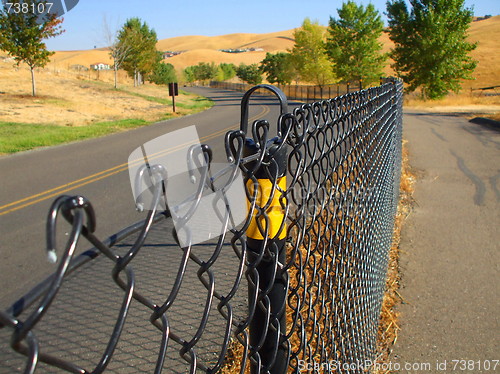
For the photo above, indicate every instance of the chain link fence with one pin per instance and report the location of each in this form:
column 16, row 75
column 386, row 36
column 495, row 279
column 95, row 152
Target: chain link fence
column 296, row 287
column 303, row 93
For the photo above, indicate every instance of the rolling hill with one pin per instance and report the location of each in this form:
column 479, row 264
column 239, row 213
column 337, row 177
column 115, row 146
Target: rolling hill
column 197, row 49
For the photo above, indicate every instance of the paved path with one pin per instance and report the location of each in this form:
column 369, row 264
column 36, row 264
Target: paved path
column 450, row 260
column 97, row 170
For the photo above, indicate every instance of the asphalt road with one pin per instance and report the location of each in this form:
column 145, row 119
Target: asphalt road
column 96, row 169
column 450, row 246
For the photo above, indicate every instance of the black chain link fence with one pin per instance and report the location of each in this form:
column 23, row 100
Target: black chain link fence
column 303, row 93
column 296, row 287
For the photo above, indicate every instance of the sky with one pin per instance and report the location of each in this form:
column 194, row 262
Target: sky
column 84, row 23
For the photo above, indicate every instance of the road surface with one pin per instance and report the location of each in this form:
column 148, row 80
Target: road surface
column 96, row 169
column 450, row 256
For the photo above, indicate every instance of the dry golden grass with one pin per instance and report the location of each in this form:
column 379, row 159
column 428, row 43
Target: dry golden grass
column 270, row 42
column 389, row 325
column 71, row 99
column 486, row 33
column 64, row 59
column 466, row 104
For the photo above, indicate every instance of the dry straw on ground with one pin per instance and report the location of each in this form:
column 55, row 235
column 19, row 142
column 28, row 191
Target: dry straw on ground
column 69, row 98
column 389, row 325
column 305, row 275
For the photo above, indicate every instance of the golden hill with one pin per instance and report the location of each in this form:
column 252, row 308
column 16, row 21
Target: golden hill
column 277, row 41
column 195, row 49
column 206, row 49
column 65, row 59
column 487, row 34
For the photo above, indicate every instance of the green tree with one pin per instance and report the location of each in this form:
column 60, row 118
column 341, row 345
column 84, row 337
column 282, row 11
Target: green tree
column 205, row 71
column 278, row 68
column 140, row 41
column 431, row 50
column 353, row 43
column 226, row 71
column 189, row 74
column 309, row 55
column 201, row 72
column 163, row 74
column 249, row 73
column 22, row 35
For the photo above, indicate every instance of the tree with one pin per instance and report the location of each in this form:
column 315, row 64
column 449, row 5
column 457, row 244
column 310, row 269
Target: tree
column 22, row 35
column 278, row 68
column 201, row 72
column 189, row 74
column 431, row 50
column 226, row 71
column 309, row 55
column 142, row 56
column 205, row 71
column 353, row 43
column 117, row 50
column 163, row 74
column 249, row 73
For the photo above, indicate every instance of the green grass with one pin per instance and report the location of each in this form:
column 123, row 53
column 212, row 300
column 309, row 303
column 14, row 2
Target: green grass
column 17, row 137
column 153, row 99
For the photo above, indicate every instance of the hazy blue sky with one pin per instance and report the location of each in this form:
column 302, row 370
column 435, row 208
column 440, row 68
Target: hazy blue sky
column 169, row 18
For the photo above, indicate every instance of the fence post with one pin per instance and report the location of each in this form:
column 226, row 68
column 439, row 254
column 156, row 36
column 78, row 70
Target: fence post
column 267, row 254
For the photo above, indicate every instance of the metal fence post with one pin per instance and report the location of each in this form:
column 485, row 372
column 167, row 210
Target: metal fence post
column 268, row 288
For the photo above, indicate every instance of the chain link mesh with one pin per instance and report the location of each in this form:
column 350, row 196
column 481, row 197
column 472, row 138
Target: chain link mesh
column 301, row 294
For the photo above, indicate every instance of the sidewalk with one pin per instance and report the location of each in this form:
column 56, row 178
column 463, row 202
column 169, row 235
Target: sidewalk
column 450, row 248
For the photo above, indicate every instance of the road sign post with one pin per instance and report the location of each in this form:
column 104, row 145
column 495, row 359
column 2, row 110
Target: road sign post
column 173, row 90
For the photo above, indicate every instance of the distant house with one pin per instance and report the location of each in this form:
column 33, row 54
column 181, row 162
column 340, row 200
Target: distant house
column 168, row 54
column 100, row 66
column 78, row 67
column 241, row 50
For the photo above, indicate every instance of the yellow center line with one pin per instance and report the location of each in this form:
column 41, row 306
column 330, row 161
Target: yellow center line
column 53, row 192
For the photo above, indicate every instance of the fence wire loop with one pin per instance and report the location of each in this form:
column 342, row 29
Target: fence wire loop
column 296, row 286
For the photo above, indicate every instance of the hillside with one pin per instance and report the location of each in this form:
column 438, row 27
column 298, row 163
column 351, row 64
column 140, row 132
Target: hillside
column 195, row 49
column 67, row 58
column 271, row 42
column 487, row 34
column 206, row 49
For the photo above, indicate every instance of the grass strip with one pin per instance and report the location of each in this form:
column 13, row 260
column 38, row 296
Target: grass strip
column 16, row 137
column 153, row 99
